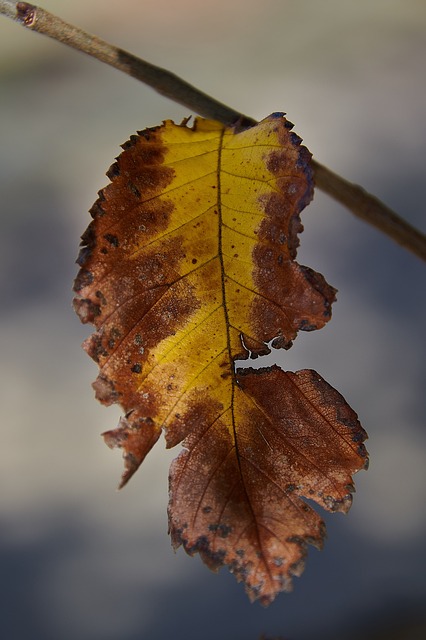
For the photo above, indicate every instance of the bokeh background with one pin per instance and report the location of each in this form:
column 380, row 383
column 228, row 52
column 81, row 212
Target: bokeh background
column 80, row 560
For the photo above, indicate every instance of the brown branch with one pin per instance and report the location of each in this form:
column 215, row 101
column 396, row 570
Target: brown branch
column 356, row 199
column 163, row 81
column 371, row 209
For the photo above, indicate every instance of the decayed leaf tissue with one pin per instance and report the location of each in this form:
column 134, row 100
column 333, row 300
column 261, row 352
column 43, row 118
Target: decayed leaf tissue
column 187, row 267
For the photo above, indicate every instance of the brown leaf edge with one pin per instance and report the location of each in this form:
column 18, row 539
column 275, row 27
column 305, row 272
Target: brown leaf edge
column 302, row 440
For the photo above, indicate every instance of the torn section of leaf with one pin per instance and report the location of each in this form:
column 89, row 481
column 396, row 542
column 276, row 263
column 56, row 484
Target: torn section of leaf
column 187, row 266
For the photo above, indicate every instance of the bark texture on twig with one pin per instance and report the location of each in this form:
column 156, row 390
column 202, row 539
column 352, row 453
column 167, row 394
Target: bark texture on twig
column 371, row 209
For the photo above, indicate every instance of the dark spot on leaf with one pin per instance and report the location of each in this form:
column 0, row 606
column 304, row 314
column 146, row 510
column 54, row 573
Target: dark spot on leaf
column 101, row 297
column 134, row 190
column 358, row 437
column 213, row 558
column 113, row 171
column 96, row 211
column 306, row 326
column 83, row 279
column 222, row 529
column 96, row 349
column 83, row 256
column 295, row 139
column 87, row 310
column 112, row 239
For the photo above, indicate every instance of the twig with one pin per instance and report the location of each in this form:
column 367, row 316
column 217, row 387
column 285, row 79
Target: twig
column 163, row 81
column 356, row 199
column 371, row 209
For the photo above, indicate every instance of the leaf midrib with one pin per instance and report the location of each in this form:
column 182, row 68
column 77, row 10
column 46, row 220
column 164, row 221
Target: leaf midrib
column 230, row 355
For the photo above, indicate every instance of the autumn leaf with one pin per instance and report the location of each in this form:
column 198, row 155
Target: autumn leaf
column 187, row 267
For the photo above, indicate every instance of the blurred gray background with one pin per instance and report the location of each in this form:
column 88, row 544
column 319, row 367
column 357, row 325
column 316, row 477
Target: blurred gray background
column 80, row 560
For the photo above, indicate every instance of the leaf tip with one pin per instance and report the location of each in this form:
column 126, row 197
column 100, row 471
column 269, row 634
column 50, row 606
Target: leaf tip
column 136, row 436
